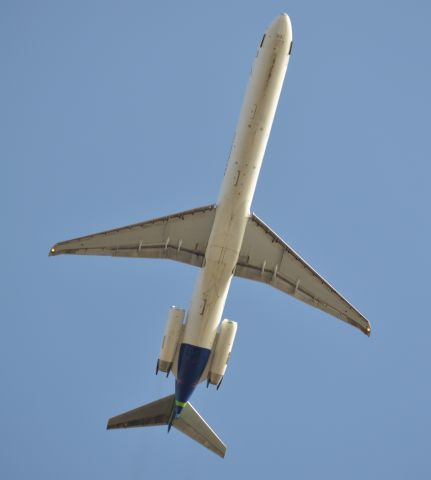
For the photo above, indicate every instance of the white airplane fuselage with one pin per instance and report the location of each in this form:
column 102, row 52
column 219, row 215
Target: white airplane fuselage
column 233, row 206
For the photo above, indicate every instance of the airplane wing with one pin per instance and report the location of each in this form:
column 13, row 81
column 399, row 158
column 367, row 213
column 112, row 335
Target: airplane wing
column 266, row 258
column 182, row 236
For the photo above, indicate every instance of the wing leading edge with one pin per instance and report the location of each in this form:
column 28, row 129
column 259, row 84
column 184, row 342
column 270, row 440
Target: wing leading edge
column 183, row 237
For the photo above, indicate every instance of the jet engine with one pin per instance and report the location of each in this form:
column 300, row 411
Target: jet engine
column 173, row 330
column 223, row 347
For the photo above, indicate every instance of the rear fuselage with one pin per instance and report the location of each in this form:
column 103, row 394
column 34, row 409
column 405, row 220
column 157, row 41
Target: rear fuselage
column 233, row 206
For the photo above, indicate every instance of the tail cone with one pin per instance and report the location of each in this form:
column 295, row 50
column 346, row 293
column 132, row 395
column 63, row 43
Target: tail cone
column 179, row 407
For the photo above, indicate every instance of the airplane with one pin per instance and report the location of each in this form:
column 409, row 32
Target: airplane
column 224, row 240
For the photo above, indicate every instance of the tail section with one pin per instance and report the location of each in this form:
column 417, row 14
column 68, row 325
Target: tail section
column 162, row 412
column 193, row 425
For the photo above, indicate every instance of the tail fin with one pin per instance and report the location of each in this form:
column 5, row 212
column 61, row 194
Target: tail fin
column 160, row 413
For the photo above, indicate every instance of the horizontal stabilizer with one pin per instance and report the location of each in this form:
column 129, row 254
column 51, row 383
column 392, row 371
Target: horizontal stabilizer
column 152, row 414
column 193, row 425
column 159, row 412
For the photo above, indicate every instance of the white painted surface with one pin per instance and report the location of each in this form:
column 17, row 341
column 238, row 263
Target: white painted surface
column 239, row 183
column 222, row 350
column 173, row 329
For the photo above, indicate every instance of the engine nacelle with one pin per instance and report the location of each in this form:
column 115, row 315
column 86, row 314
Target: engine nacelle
column 223, row 347
column 173, row 330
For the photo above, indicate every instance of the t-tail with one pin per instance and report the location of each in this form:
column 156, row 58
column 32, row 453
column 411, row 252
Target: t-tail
column 163, row 412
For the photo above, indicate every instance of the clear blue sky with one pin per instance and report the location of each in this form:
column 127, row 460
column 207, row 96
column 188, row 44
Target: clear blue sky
column 117, row 112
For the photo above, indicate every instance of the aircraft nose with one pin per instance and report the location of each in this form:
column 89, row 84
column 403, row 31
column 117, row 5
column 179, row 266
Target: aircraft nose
column 282, row 26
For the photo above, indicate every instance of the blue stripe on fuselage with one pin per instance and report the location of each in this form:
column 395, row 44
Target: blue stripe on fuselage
column 192, row 361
